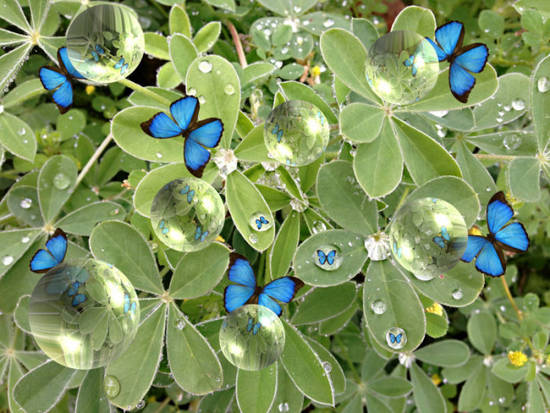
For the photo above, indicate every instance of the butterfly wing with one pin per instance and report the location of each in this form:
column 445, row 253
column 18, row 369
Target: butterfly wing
column 473, row 57
column 461, row 82
column 268, row 302
column 63, row 97
column 439, row 241
column 42, row 261
column 283, row 289
column 499, row 212
column 78, row 299
column 195, row 156
column 63, row 57
column 490, row 260
column 161, row 126
column 236, row 296
column 73, row 289
column 322, row 257
column 51, row 77
column 513, row 237
column 126, row 303
column 449, row 37
column 256, row 328
column 473, row 247
column 57, row 245
column 240, row 271
column 441, row 55
column 207, row 132
column 331, row 256
column 185, row 111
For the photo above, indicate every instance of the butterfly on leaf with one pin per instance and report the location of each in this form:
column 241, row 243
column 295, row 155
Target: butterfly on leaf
column 190, row 193
column 99, row 51
column 78, row 298
column 503, row 236
column 325, row 258
column 200, row 235
column 260, row 222
column 463, row 60
column 59, row 79
column 245, row 290
column 54, row 254
column 277, row 131
column 443, row 239
column 121, row 65
column 198, row 135
column 129, row 306
column 395, row 339
column 254, row 327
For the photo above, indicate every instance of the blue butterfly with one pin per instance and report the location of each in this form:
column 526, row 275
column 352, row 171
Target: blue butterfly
column 198, row 135
column 326, row 258
column 190, row 193
column 278, row 132
column 59, row 79
column 395, row 338
column 53, row 255
column 261, row 221
column 503, row 235
column 200, row 235
column 163, row 228
column 129, row 306
column 462, row 60
column 442, row 240
column 73, row 292
column 99, row 51
column 121, row 65
column 247, row 292
column 254, row 327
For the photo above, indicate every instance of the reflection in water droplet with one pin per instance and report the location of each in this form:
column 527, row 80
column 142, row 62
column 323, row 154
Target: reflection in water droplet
column 328, row 257
column 25, row 203
column 111, row 385
column 7, row 260
column 25, row 239
column 518, row 104
column 457, row 294
column 229, row 89
column 180, row 324
column 327, row 367
column 318, row 226
column 61, row 181
column 21, row 131
column 543, row 84
column 192, row 91
column 260, row 221
column 396, row 338
column 378, row 246
column 378, row 307
column 511, row 142
column 205, row 66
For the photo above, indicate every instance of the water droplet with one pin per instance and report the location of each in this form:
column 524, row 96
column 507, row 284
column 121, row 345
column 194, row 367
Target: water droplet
column 260, row 221
column 499, row 120
column 141, row 404
column 159, row 155
column 229, row 89
column 22, row 131
column 328, row 23
column 396, row 338
column 25, row 203
column 502, row 308
column 1, row 109
column 25, row 239
column 518, row 104
column 543, row 84
column 61, row 181
column 180, row 324
column 7, row 260
column 327, row 367
column 491, row 403
column 111, row 385
column 253, row 238
column 202, row 100
column 378, row 307
column 318, row 226
column 439, row 113
column 328, row 257
column 457, row 294
column 511, row 142
column 283, row 407
column 205, row 66
column 502, row 400
column 297, row 205
column 192, row 91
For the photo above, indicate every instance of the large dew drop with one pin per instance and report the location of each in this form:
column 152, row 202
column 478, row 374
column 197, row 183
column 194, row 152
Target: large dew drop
column 61, row 181
column 296, row 133
column 396, row 338
column 428, row 237
column 252, row 337
column 105, row 42
column 187, row 214
column 328, row 257
column 111, row 385
column 402, row 67
column 378, row 307
column 84, row 315
column 260, row 222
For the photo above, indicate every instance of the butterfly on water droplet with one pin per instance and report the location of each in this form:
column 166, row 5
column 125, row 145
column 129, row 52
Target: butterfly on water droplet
column 200, row 234
column 442, row 239
column 277, row 131
column 198, row 135
column 129, row 306
column 190, row 193
column 261, row 221
column 254, row 327
column 326, row 258
column 99, row 51
column 395, row 339
column 162, row 225
column 121, row 65
column 503, row 235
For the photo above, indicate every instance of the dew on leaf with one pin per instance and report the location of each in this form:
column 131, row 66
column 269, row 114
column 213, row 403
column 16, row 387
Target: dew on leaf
column 61, row 181
column 111, row 386
column 7, row 260
column 25, row 203
column 328, row 257
column 457, row 294
column 260, row 221
column 543, row 84
column 396, row 338
column 518, row 104
column 205, row 66
column 378, row 307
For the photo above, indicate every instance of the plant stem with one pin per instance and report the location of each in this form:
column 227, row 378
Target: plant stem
column 94, row 158
column 494, row 157
column 163, row 405
column 145, row 91
column 237, row 42
column 511, row 299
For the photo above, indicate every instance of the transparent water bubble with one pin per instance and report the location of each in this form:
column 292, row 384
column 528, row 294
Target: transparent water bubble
column 259, row 221
column 253, row 238
column 105, row 42
column 327, row 367
column 457, row 294
column 318, row 226
column 22, row 131
column 25, row 239
column 7, row 260
column 428, row 237
column 543, row 84
column 111, row 385
column 296, row 133
column 229, row 89
column 378, row 246
column 396, row 338
column 283, row 407
column 402, row 67
column 252, row 337
column 378, row 307
column 141, row 404
column 511, row 142
column 180, row 324
column 84, row 314
column 187, row 214
column 61, row 181
column 328, row 257
column 25, row 203
column 518, row 104
column 205, row 66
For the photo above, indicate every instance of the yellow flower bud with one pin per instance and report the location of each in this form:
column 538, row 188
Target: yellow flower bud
column 517, row 358
column 90, row 89
column 436, row 309
column 315, row 71
column 436, row 379
column 220, row 239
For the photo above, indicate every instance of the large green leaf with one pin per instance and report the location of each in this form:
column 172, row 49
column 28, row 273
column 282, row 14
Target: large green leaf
column 282, row 252
column 473, row 391
column 507, row 372
column 91, row 396
column 540, row 101
column 252, row 147
column 207, row 36
column 22, row 92
column 360, row 122
column 256, row 390
column 55, row 185
column 13, row 245
column 287, row 397
column 12, row 12
column 330, row 365
column 427, row 397
column 365, row 30
column 524, row 179
column 288, row 7
column 178, row 21
column 17, row 136
column 39, row 11
column 121, row 245
column 415, row 19
column 182, row 52
column 156, row 45
column 82, row 220
column 482, row 331
column 10, row 62
column 445, row 353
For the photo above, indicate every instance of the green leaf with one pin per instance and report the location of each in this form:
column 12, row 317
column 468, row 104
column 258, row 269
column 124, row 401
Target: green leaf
column 178, row 20
column 491, row 23
column 256, row 390
column 224, row 4
column 12, row 12
column 257, row 71
column 282, row 253
column 83, row 220
column 218, row 402
column 167, row 76
column 324, row 303
column 348, row 67
column 21, row 314
column 17, row 136
column 387, row 284
column 252, row 147
column 15, row 372
column 535, row 401
column 455, row 375
column 135, row 369
column 507, row 372
column 330, row 365
column 10, row 62
column 19, row 198
column 207, row 36
column 91, row 396
column 348, row 246
column 445, row 353
column 287, row 394
column 378, row 165
column 299, row 91
column 71, row 123
column 424, row 157
column 511, row 142
column 415, row 19
column 305, row 368
column 365, row 30
column 288, row 7
column 360, row 122
column 343, row 200
column 23, row 92
column 213, row 86
column 199, row 272
column 335, row 324
column 42, row 387
column 121, row 245
column 156, row 45
column 540, row 101
column 474, row 390
column 243, row 200
column 193, row 362
column 56, row 182
column 9, row 38
column 427, row 397
column 12, row 245
column 524, row 179
column 390, row 386
column 539, row 5
column 482, row 331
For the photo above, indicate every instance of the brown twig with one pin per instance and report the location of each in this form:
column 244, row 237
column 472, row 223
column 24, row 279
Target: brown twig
column 237, row 42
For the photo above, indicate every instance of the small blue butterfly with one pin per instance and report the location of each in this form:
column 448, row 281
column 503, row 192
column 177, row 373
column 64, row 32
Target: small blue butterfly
column 190, row 193
column 163, row 228
column 129, row 306
column 278, row 132
column 200, row 235
column 326, row 258
column 254, row 327
column 53, row 255
column 198, row 135
column 462, row 60
column 503, row 235
column 442, row 240
column 97, row 52
column 395, row 338
column 121, row 65
column 77, row 298
column 59, row 79
column 261, row 221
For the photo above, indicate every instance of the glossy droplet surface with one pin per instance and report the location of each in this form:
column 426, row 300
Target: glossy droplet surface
column 457, row 294
column 105, row 42
column 378, row 307
column 252, row 337
column 25, row 203
column 260, row 221
column 327, row 367
column 61, row 181
column 402, row 67
column 283, row 407
column 518, row 104
column 187, row 214
column 378, row 246
column 229, row 89
column 7, row 260
column 428, row 237
column 396, row 338
column 205, row 66
column 111, row 385
column 511, row 142
column 328, row 257
column 296, row 133
column 543, row 84
column 83, row 315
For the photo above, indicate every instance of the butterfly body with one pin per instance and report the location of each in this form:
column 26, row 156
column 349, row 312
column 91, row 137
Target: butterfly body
column 396, row 339
column 200, row 235
column 260, row 222
column 326, row 258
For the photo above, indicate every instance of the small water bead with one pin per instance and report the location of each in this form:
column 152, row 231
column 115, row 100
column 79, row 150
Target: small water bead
column 328, row 257
column 229, row 89
column 22, row 131
column 502, row 400
column 61, row 181
column 327, row 367
column 202, row 100
column 296, row 133
column 1, row 109
column 502, row 308
column 457, row 294
column 253, row 238
column 439, row 113
column 507, row 108
column 111, row 386
column 25, row 203
column 260, row 221
column 180, row 324
column 84, row 314
column 543, row 84
column 283, row 407
column 442, row 233
column 205, row 66
column 318, row 226
column 192, row 91
column 141, row 404
column 7, row 260
column 378, row 246
column 298, row 205
column 402, row 67
column 378, row 307
column 105, row 42
column 396, row 338
column 511, row 142
column 252, row 337
column 518, row 104
column 25, row 239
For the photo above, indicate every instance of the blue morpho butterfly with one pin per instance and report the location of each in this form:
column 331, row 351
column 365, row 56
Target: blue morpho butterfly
column 198, row 135
column 503, row 235
column 99, row 51
column 129, row 306
column 395, row 338
column 53, row 255
column 441, row 240
column 277, row 131
column 162, row 225
column 247, row 292
column 326, row 258
column 200, row 234
column 59, row 79
column 261, row 221
column 462, row 60
column 190, row 193
column 121, row 65
column 254, row 327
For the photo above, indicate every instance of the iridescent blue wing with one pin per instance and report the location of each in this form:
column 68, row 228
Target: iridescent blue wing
column 445, row 233
column 461, row 82
column 63, row 97
column 119, row 64
column 393, row 339
column 57, row 245
column 399, row 337
column 450, row 36
column 490, row 260
column 51, row 77
column 499, row 212
column 204, row 235
column 473, row 247
column 207, row 132
column 195, row 156
column 473, row 57
column 73, row 289
column 78, row 299
column 331, row 256
column 184, row 190
column 240, row 271
column 185, row 111
column 321, row 256
column 42, row 261
column 256, row 328
column 190, row 196
column 133, row 307
column 268, row 302
column 99, row 49
column 63, row 57
column 198, row 232
column 263, row 220
column 250, row 324
column 258, row 224
column 441, row 55
column 439, row 241
column 236, row 296
column 513, row 237
column 161, row 126
column 282, row 289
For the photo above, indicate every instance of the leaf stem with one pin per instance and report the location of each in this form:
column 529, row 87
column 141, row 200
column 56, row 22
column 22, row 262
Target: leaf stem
column 94, row 158
column 495, row 157
column 510, row 298
column 145, row 91
column 237, row 42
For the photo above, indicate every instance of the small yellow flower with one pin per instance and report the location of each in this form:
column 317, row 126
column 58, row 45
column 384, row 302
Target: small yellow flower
column 315, row 71
column 475, row 231
column 517, row 358
column 90, row 89
column 436, row 379
column 436, row 309
column 219, row 238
